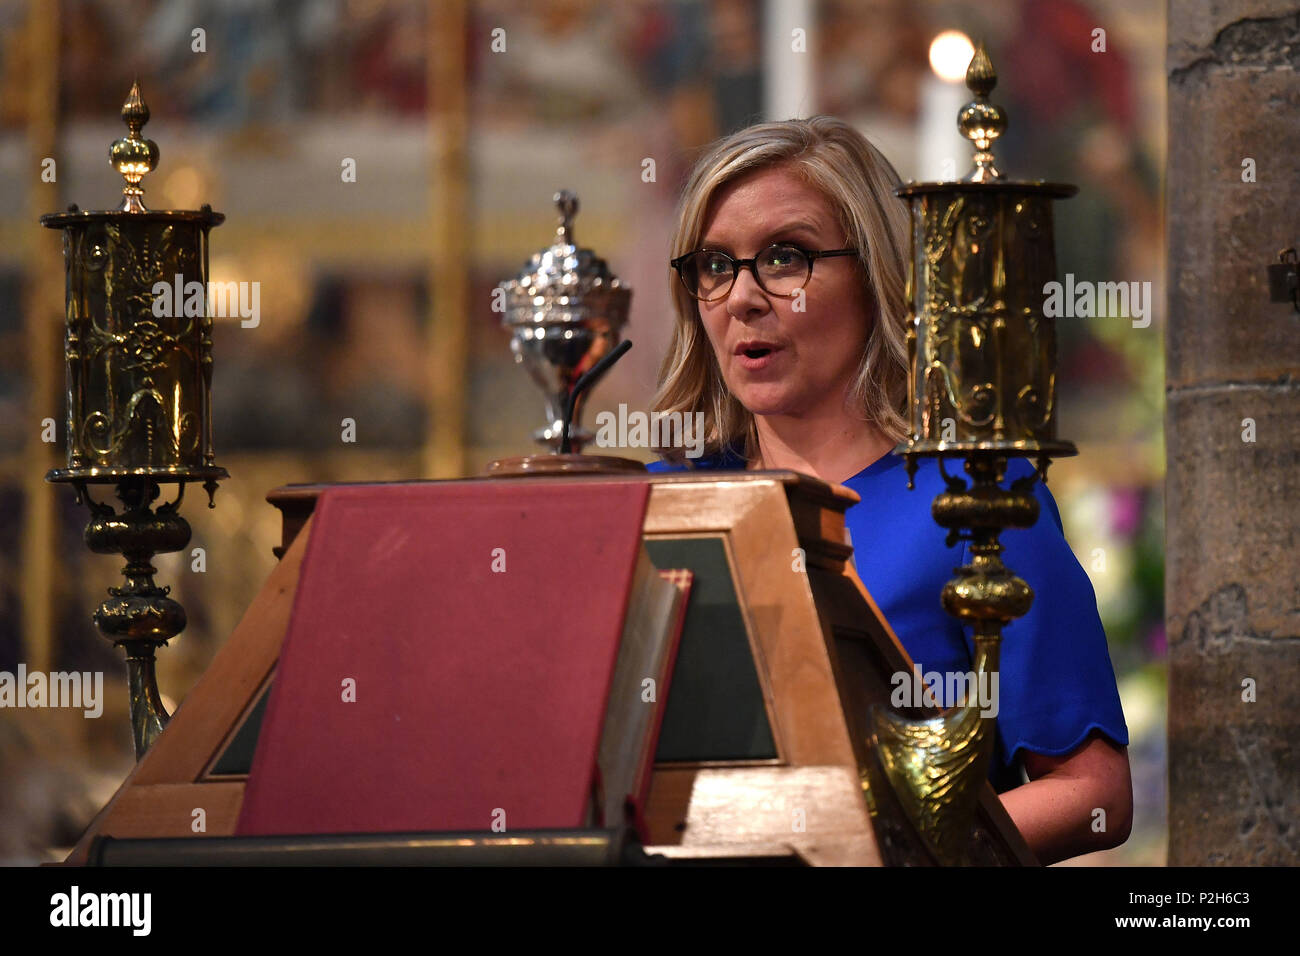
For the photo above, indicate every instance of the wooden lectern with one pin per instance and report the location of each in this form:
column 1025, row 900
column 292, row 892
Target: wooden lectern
column 779, row 627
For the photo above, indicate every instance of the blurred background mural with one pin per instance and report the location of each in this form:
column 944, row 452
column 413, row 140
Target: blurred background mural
column 376, row 294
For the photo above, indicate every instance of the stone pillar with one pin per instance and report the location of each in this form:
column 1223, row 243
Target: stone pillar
column 1232, row 431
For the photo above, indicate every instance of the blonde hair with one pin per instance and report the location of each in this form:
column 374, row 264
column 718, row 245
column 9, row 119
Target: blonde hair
column 859, row 183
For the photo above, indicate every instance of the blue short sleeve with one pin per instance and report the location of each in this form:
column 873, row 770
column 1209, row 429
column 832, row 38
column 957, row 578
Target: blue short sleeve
column 1057, row 680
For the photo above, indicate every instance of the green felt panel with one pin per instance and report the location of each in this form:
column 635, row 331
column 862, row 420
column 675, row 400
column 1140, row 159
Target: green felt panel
column 715, row 702
column 238, row 755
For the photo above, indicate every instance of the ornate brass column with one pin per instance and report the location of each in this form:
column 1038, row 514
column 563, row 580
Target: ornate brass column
column 139, row 385
column 983, row 390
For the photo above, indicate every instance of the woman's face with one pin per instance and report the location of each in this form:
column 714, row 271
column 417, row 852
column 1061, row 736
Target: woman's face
column 815, row 345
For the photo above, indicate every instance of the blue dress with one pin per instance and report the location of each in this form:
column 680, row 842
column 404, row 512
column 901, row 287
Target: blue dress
column 1056, row 681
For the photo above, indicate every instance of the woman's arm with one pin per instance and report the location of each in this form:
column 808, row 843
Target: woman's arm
column 1055, row 810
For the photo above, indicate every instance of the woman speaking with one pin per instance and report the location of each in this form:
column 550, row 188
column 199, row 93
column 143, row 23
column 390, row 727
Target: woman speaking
column 789, row 338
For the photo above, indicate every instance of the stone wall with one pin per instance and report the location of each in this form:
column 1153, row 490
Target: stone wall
column 1232, row 503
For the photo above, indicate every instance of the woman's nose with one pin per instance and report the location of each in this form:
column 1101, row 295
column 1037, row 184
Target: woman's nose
column 746, row 296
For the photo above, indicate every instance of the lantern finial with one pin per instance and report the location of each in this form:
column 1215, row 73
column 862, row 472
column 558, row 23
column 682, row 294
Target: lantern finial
column 980, row 121
column 132, row 155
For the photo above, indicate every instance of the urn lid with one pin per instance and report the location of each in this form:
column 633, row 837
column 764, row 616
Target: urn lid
column 565, row 283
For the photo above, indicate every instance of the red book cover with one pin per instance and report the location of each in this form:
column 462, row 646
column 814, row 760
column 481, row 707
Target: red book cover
column 448, row 659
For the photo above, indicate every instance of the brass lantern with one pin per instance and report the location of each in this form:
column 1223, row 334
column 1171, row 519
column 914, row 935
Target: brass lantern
column 982, row 391
column 138, row 353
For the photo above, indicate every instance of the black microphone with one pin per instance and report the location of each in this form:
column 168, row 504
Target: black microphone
column 586, row 381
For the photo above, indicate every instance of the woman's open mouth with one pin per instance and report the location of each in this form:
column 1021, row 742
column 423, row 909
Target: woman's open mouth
column 756, row 356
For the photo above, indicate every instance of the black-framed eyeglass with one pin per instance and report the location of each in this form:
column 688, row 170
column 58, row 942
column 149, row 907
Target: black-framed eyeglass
column 780, row 269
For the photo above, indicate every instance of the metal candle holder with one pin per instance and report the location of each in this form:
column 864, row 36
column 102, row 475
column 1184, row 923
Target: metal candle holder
column 982, row 390
column 139, row 387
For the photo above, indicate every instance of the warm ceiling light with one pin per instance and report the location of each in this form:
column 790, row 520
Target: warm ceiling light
column 950, row 54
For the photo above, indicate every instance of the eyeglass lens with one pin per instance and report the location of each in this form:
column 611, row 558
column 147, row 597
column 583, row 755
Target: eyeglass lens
column 782, row 270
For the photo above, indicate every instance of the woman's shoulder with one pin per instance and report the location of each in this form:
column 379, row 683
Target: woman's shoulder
column 886, row 484
column 726, row 459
